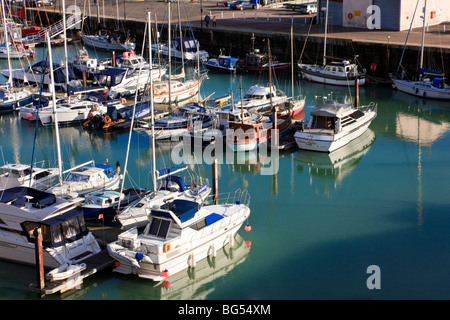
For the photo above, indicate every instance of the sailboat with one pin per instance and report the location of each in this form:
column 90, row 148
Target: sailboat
column 171, row 185
column 340, row 73
column 11, row 98
column 431, row 84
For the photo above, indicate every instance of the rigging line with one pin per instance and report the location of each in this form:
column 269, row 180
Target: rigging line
column 407, row 36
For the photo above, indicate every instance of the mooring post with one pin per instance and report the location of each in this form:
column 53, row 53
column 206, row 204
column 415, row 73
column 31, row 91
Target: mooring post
column 215, row 187
column 39, row 258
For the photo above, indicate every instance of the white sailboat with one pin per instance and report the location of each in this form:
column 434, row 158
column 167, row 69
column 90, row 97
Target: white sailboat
column 12, row 98
column 340, row 73
column 171, row 186
column 431, row 84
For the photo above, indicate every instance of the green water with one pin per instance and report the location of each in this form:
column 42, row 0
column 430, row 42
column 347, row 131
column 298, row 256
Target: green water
column 317, row 225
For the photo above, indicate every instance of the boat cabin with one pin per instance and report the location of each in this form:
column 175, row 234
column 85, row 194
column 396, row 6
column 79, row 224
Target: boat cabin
column 333, row 116
column 189, row 44
column 342, row 69
column 59, row 230
column 96, row 173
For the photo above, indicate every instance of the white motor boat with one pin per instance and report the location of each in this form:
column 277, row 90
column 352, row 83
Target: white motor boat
column 184, row 48
column 170, row 187
column 333, row 125
column 86, row 179
column 181, row 92
column 179, row 234
column 258, row 97
column 19, row 175
column 65, row 236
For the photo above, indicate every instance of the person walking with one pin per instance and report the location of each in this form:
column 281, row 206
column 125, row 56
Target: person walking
column 207, row 18
column 214, row 21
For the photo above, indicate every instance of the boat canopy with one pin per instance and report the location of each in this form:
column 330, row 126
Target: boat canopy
column 331, row 110
column 107, row 169
column 426, row 71
column 189, row 44
column 169, row 171
column 58, row 71
column 20, row 195
column 183, row 210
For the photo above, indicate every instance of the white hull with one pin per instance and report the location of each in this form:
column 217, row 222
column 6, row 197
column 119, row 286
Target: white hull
column 421, row 89
column 337, row 81
column 83, row 188
column 100, row 42
column 176, row 54
column 184, row 254
column 187, row 92
column 316, row 141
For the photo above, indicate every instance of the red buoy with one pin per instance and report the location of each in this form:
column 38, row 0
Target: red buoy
column 165, row 273
column 248, row 243
column 29, row 116
column 248, row 228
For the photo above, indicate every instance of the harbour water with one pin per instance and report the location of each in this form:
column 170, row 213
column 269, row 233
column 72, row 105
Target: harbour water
column 318, row 225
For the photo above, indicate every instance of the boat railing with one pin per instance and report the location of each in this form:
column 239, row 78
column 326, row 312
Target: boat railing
column 237, row 197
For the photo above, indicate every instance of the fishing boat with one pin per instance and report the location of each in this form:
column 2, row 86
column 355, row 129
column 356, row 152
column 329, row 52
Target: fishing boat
column 258, row 62
column 23, row 175
column 83, row 63
column 105, row 203
column 223, row 64
column 333, row 125
column 86, row 179
column 65, row 236
column 179, row 234
column 340, row 73
column 430, row 83
column 251, row 134
column 182, row 48
column 171, row 186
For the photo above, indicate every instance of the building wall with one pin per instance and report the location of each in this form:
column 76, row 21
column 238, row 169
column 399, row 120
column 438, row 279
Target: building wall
column 394, row 14
column 438, row 11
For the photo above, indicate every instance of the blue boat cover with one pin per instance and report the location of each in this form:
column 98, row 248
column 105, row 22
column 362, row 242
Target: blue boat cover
column 107, row 169
column 213, row 217
column 183, row 209
column 18, row 195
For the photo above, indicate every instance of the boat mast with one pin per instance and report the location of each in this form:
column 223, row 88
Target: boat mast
column 151, row 102
column 292, row 58
column 325, row 37
column 10, row 79
column 55, row 114
column 169, row 44
column 242, row 103
column 423, row 37
column 65, row 47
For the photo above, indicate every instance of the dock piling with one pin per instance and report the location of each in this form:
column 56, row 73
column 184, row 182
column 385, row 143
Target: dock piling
column 39, row 258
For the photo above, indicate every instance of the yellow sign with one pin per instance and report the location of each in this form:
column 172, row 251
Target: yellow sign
column 357, row 13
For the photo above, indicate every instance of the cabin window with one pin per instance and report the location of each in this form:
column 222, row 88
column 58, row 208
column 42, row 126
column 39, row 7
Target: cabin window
column 341, row 69
column 159, row 227
column 71, row 229
column 334, row 69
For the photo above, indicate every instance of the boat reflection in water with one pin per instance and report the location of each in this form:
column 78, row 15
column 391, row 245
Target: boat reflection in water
column 190, row 283
column 338, row 164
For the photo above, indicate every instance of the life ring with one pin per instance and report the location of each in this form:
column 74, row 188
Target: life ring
column 124, row 101
column 221, row 104
column 107, row 119
column 167, row 247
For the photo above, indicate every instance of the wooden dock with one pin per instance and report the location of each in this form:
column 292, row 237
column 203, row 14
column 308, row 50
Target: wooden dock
column 94, row 264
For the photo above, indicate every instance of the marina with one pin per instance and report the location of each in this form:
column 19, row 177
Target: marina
column 319, row 220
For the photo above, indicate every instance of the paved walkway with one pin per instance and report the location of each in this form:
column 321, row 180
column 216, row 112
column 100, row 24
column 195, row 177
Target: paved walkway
column 270, row 19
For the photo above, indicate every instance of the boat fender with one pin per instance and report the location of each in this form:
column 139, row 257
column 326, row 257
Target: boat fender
column 416, row 90
column 167, row 247
column 424, row 93
column 139, row 256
